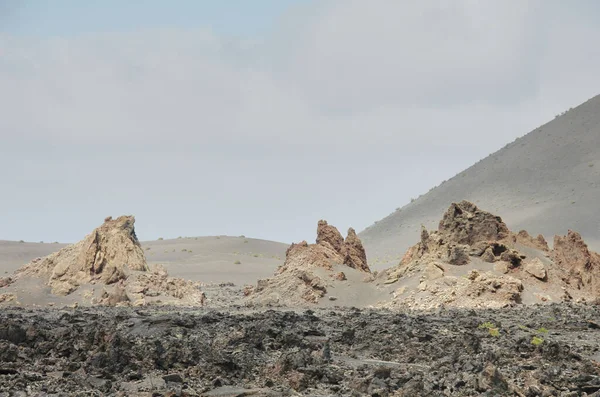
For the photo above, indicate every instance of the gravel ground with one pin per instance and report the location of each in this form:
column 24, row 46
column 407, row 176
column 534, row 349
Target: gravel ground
column 551, row 350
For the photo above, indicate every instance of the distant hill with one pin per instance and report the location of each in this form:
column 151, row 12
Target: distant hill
column 546, row 182
column 207, row 259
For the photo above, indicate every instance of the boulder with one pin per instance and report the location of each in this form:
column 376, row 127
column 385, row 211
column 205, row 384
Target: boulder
column 536, row 268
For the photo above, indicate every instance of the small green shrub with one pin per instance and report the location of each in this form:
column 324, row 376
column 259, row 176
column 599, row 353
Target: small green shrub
column 491, row 327
column 255, row 255
column 542, row 330
column 536, row 341
column 160, row 239
column 237, row 263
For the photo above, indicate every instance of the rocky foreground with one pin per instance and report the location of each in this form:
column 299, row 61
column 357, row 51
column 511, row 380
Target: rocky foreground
column 550, row 350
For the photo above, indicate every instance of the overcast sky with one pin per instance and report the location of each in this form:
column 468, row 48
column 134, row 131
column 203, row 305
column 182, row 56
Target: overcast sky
column 260, row 118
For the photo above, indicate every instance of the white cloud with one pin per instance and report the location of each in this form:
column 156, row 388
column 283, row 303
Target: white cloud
column 339, row 85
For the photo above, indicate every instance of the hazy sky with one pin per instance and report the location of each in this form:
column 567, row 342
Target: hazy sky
column 262, row 117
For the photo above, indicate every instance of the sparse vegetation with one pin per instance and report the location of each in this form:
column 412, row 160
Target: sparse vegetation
column 542, row 330
column 160, row 239
column 536, row 341
column 255, row 255
column 237, row 262
column 245, row 241
column 491, row 327
column 184, row 250
column 21, row 241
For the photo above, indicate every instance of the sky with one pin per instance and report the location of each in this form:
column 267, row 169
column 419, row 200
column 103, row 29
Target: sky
column 260, row 118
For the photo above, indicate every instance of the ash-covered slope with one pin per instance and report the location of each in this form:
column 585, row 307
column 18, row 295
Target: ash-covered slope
column 545, row 182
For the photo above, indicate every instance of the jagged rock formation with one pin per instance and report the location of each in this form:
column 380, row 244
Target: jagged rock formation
column 354, row 253
column 583, row 266
column 309, row 268
column 473, row 259
column 111, row 257
column 327, row 234
column 464, row 223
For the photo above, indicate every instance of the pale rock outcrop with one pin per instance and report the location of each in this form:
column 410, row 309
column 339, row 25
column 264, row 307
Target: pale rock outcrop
column 105, row 256
column 112, row 257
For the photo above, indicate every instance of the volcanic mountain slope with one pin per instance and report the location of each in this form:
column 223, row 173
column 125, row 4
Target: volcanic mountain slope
column 107, row 267
column 546, row 182
column 474, row 260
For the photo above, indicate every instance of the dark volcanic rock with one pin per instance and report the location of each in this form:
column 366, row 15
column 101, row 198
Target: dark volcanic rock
column 464, row 223
column 525, row 351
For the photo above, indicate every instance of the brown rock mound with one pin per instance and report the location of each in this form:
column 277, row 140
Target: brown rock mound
column 111, row 256
column 309, row 268
column 468, row 235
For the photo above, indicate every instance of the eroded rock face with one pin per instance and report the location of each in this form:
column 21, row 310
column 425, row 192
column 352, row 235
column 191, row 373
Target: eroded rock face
column 573, row 254
column 354, row 253
column 296, row 282
column 105, row 256
column 327, row 234
column 464, row 223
